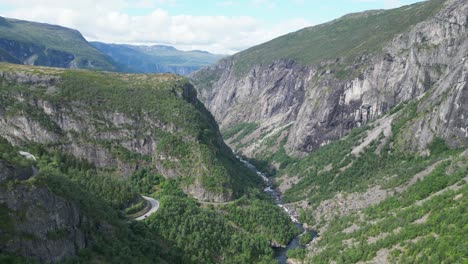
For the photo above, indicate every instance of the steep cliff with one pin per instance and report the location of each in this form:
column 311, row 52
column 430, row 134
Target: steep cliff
column 31, row 43
column 313, row 86
column 37, row 223
column 122, row 123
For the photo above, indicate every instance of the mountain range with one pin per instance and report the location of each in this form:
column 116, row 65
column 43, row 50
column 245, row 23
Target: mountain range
column 158, row 58
column 40, row 44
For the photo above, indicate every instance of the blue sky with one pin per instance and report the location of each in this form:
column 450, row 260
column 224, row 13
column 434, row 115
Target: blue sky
column 220, row 26
column 272, row 11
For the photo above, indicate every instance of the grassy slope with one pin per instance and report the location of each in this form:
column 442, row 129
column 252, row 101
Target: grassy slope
column 348, row 36
column 54, row 37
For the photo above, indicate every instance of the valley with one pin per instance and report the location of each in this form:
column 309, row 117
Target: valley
column 343, row 142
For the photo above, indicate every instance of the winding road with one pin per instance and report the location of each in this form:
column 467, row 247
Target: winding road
column 154, row 203
column 154, row 207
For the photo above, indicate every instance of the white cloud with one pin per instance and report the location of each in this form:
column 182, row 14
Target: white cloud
column 226, row 3
column 270, row 4
column 392, row 3
column 299, row 2
column 386, row 3
column 106, row 21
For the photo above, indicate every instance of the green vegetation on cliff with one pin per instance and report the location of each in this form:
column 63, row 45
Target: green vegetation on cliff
column 425, row 224
column 109, row 237
column 154, row 109
column 182, row 230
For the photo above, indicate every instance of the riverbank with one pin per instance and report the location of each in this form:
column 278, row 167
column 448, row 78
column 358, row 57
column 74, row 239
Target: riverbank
column 280, row 252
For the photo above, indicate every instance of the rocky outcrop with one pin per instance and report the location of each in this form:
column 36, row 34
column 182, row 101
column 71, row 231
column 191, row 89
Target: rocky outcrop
column 327, row 99
column 9, row 172
column 6, row 171
column 37, row 223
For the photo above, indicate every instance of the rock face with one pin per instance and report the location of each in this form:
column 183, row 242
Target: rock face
column 325, row 100
column 50, row 227
column 37, row 223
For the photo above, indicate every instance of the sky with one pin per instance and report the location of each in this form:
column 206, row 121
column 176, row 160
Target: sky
column 217, row 26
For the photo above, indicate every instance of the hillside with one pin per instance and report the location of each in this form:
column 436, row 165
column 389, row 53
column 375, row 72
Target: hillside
column 49, row 217
column 122, row 122
column 156, row 59
column 41, row 44
column 374, row 202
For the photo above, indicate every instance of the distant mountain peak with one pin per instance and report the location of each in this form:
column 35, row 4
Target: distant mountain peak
column 156, row 58
column 201, row 51
column 162, row 47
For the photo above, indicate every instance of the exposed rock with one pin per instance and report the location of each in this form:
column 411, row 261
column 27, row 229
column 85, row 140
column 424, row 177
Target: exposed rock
column 351, row 229
column 201, row 193
column 286, row 182
column 6, row 171
column 423, row 219
column 41, row 225
column 382, row 127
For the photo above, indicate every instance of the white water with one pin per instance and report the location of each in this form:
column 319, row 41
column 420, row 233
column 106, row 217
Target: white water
column 269, row 188
column 280, row 253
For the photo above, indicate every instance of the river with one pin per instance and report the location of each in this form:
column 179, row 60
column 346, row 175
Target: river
column 280, row 253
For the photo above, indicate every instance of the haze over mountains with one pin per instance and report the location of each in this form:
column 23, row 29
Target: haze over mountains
column 158, row 58
column 41, row 44
column 346, row 142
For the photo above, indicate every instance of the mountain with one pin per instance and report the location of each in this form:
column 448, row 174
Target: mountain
column 99, row 141
column 122, row 122
column 362, row 123
column 156, row 59
column 320, row 82
column 41, row 44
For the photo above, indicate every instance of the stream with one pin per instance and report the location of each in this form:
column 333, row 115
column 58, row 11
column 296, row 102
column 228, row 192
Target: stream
column 280, row 253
